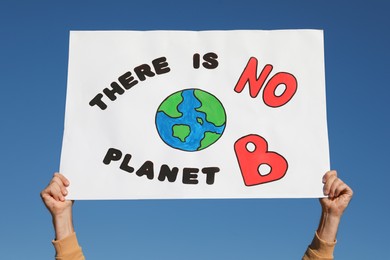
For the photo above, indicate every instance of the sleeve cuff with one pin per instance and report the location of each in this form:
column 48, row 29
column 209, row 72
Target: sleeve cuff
column 66, row 246
column 321, row 249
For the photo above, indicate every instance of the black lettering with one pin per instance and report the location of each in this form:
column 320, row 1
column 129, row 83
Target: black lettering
column 211, row 61
column 146, row 169
column 196, row 61
column 142, row 71
column 189, row 176
column 116, row 89
column 112, row 155
column 161, row 65
column 210, row 174
column 127, row 80
column 166, row 172
column 125, row 164
column 97, row 100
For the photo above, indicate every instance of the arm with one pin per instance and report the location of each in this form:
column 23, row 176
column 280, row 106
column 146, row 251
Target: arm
column 53, row 196
column 339, row 195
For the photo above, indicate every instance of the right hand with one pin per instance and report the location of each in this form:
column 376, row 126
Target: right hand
column 339, row 195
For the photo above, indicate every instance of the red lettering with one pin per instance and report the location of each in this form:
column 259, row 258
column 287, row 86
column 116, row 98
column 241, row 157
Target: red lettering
column 249, row 75
column 250, row 160
column 270, row 98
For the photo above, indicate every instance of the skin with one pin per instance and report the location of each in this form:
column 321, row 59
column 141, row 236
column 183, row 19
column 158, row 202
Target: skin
column 339, row 195
column 53, row 197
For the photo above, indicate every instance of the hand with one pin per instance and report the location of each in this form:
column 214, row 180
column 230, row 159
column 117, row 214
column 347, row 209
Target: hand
column 339, row 194
column 53, row 196
column 333, row 206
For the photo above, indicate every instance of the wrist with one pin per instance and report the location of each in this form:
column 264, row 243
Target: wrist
column 327, row 229
column 63, row 224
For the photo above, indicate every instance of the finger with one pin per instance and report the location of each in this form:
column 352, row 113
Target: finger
column 339, row 189
column 63, row 179
column 336, row 186
column 55, row 191
column 59, row 181
column 329, row 182
column 327, row 175
column 344, row 190
column 56, row 180
column 47, row 194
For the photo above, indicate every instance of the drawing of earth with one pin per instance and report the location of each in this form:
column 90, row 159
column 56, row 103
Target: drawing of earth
column 190, row 120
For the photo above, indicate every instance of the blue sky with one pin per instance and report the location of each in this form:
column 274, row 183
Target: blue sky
column 33, row 71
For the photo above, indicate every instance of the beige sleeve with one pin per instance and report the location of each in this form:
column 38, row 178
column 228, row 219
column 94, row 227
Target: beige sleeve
column 319, row 250
column 68, row 248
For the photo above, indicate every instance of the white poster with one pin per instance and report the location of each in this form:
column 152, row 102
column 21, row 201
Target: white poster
column 195, row 114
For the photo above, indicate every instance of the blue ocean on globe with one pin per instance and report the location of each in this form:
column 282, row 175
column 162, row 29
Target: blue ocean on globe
column 193, row 120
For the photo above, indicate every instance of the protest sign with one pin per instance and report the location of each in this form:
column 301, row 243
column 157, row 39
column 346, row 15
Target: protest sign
column 187, row 114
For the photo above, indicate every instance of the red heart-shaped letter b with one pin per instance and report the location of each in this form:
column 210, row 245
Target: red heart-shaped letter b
column 252, row 152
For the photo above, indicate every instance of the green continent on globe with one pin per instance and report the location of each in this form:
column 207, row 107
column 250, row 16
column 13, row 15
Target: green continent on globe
column 169, row 106
column 211, row 107
column 209, row 138
column 181, row 132
column 190, row 120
